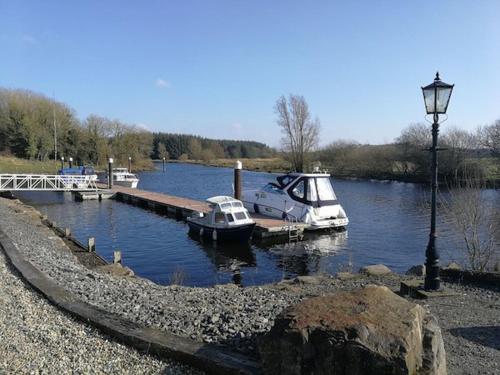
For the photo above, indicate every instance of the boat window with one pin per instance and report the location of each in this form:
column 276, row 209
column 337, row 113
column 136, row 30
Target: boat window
column 272, row 188
column 230, row 217
column 311, row 191
column 325, row 190
column 298, row 190
column 240, row 215
column 225, row 206
column 285, row 180
column 237, row 204
column 219, row 218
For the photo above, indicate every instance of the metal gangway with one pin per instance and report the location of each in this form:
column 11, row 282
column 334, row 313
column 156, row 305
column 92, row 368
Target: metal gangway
column 43, row 182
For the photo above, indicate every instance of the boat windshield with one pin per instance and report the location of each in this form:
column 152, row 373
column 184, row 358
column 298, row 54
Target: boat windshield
column 272, row 188
column 325, row 189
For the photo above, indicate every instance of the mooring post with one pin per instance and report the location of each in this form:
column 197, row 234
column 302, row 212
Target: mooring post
column 110, row 173
column 129, row 164
column 70, row 162
column 91, row 244
column 62, row 163
column 237, row 180
column 67, row 232
column 163, row 164
column 117, row 257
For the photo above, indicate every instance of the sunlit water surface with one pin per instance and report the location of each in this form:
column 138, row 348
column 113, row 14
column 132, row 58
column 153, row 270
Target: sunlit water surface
column 388, row 224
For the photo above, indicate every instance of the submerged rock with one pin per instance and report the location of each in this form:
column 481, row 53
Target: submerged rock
column 366, row 331
column 375, row 270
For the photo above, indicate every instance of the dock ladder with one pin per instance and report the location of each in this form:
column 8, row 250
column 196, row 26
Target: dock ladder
column 292, row 228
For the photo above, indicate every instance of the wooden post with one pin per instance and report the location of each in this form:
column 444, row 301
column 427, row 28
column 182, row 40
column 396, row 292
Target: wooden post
column 117, row 257
column 91, row 244
column 71, row 162
column 129, row 164
column 237, row 180
column 110, row 173
column 163, row 164
column 67, row 232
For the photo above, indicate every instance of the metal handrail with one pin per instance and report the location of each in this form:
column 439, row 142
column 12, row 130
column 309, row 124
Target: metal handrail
column 40, row 182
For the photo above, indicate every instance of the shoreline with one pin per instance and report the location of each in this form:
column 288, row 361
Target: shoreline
column 226, row 315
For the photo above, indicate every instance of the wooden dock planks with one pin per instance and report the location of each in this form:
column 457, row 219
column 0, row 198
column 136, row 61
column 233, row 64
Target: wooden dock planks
column 266, row 226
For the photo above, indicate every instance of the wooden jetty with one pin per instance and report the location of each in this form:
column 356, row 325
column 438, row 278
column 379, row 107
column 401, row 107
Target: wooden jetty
column 181, row 208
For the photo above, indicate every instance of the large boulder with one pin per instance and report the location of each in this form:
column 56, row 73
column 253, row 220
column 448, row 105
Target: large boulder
column 366, row 331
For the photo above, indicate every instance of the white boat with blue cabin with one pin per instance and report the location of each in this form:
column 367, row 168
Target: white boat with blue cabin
column 301, row 197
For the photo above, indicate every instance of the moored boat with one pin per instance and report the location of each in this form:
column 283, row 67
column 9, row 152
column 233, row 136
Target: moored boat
column 301, row 197
column 227, row 221
column 122, row 177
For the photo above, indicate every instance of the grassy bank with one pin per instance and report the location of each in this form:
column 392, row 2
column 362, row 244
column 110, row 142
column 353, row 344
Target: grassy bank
column 11, row 164
column 356, row 170
column 277, row 165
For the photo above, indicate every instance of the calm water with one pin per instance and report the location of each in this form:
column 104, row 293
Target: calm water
column 388, row 224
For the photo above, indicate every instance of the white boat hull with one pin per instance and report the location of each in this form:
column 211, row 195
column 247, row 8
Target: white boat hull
column 129, row 183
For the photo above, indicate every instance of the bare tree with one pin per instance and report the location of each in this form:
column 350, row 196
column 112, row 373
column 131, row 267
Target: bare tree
column 490, row 137
column 300, row 132
column 476, row 220
column 162, row 151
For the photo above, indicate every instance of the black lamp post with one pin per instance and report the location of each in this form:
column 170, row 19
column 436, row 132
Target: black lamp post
column 436, row 96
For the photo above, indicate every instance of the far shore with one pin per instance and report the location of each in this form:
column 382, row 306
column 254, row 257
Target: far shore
column 10, row 164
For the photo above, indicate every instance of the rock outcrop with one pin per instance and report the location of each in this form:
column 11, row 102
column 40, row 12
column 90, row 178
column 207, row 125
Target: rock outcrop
column 375, row 270
column 367, row 331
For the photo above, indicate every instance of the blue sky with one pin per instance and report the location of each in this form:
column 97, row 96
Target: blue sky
column 216, row 68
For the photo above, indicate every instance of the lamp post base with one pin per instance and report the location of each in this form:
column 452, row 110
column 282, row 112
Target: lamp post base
column 432, row 280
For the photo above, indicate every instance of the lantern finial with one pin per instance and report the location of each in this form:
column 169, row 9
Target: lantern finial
column 437, row 77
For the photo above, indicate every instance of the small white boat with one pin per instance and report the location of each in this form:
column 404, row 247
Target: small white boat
column 227, row 221
column 122, row 177
column 302, row 197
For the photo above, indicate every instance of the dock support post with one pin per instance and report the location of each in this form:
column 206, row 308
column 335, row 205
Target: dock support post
column 117, row 257
column 163, row 164
column 129, row 164
column 110, row 173
column 71, row 162
column 91, row 244
column 237, row 180
column 67, row 232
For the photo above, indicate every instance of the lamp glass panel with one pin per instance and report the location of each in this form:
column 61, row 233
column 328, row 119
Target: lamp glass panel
column 443, row 97
column 429, row 99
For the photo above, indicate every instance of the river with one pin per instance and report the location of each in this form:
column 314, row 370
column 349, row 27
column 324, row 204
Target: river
column 389, row 224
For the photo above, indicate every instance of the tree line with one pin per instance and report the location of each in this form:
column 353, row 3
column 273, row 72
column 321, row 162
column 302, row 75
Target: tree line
column 33, row 126
column 184, row 146
column 36, row 127
column 407, row 158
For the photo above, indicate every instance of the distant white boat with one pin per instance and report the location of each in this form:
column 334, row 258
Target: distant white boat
column 122, row 177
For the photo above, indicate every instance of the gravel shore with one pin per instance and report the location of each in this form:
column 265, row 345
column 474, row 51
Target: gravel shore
column 37, row 338
column 234, row 316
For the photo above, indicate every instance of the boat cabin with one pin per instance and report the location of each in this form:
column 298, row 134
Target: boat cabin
column 314, row 189
column 227, row 211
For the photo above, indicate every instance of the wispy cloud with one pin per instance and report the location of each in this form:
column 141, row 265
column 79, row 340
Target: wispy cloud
column 236, row 125
column 162, row 84
column 29, row 39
